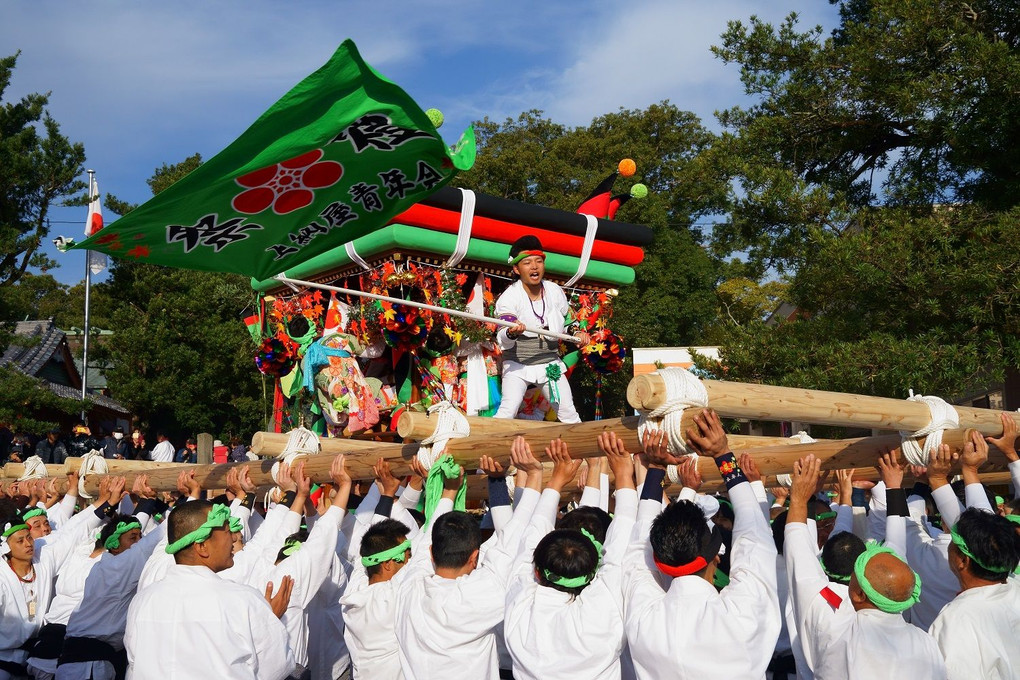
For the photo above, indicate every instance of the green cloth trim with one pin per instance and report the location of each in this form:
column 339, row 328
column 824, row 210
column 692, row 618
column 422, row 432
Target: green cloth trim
column 218, row 516
column 721, row 579
column 34, row 512
column 397, row 553
column 444, row 468
column 15, row 529
column 290, row 547
column 113, row 541
column 878, row 599
column 578, row 581
column 962, row 546
column 235, row 525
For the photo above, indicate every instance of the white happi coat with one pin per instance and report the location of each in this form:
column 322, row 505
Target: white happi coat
column 979, row 633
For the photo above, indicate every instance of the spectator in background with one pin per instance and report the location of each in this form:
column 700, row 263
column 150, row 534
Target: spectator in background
column 188, row 454
column 238, row 451
column 82, row 441
column 138, row 451
column 52, row 449
column 163, row 452
column 114, row 446
column 220, row 452
column 19, row 450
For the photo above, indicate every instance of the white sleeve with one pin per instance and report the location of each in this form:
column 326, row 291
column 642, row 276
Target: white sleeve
column 758, row 487
column 604, row 492
column 976, row 497
column 590, row 497
column 62, row 511
column 310, row 565
column 896, row 534
column 1014, row 474
column 506, row 305
column 876, row 518
column 947, row 503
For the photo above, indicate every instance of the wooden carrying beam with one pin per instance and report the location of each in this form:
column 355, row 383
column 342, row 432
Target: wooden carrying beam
column 73, row 464
column 768, row 402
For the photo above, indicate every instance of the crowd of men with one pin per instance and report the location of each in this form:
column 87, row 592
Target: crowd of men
column 882, row 581
column 55, row 446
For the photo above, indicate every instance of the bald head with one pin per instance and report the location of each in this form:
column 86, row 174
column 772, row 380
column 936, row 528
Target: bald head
column 888, row 575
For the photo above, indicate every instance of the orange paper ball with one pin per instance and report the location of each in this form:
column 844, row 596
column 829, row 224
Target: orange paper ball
column 627, row 167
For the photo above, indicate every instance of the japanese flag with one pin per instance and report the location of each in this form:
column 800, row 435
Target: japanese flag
column 93, row 223
column 336, row 316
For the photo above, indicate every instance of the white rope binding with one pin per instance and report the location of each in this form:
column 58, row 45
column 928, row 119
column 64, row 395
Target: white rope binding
column 683, row 390
column 35, row 468
column 450, row 424
column 943, row 417
column 355, row 257
column 802, row 437
column 92, row 463
column 300, row 442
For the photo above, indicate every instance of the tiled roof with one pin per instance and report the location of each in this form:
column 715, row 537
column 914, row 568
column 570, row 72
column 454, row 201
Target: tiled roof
column 31, row 356
column 98, row 399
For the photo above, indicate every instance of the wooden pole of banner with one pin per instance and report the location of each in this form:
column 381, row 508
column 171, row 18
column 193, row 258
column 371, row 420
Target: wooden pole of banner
column 769, row 402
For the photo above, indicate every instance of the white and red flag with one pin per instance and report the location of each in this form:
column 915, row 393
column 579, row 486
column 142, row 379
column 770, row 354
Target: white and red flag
column 93, row 223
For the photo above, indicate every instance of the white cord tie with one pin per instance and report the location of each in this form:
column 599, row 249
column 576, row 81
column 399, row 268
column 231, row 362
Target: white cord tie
column 683, row 390
column 943, row 417
column 450, row 424
column 35, row 468
column 92, row 463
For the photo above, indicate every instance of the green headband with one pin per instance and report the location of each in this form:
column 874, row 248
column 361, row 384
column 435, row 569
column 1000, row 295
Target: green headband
column 291, row 547
column 218, row 516
column 962, row 546
column 235, row 525
column 824, row 515
column 1015, row 519
column 397, row 553
column 524, row 254
column 832, row 575
column 34, row 512
column 15, row 529
column 878, row 599
column 113, row 542
column 577, row 581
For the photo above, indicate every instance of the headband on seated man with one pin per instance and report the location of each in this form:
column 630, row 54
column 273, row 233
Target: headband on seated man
column 699, row 562
column 218, row 516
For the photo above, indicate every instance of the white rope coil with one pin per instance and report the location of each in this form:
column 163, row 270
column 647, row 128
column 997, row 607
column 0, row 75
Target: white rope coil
column 35, row 468
column 450, row 424
column 802, row 437
column 683, row 390
column 92, row 463
column 300, row 442
column 943, row 417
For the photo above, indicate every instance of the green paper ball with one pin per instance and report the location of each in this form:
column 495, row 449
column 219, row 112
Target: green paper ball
column 638, row 191
column 436, row 116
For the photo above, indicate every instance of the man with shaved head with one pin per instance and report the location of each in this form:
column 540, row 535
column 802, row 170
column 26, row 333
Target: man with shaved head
column 977, row 631
column 855, row 631
column 193, row 624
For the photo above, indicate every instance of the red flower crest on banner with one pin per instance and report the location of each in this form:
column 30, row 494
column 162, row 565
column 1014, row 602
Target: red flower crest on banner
column 286, row 186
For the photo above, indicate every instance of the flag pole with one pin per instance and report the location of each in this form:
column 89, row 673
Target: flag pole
column 292, row 283
column 88, row 288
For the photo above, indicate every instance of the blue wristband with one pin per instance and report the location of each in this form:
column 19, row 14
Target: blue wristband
column 499, row 495
column 730, row 470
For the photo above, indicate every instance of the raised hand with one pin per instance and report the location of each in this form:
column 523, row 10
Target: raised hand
column 284, row 479
column 140, row 487
column 303, row 483
column 750, row 467
column 806, row 473
column 491, row 467
column 655, row 450
column 418, row 473
column 192, row 488
column 619, row 459
column 1006, row 442
column 233, row 483
column 281, row 600
column 939, row 465
column 975, row 451
column 890, row 469
column 689, row 474
column 781, row 493
column 708, row 438
column 845, row 478
column 564, row 467
column 522, row 457
column 384, row 479
column 244, row 479
column 72, row 483
column 117, row 490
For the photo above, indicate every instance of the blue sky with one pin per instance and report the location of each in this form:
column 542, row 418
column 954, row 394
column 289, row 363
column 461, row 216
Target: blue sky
column 141, row 84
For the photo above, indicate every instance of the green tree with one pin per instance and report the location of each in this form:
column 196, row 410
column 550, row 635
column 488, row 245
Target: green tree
column 40, row 168
column 180, row 357
column 875, row 169
column 534, row 160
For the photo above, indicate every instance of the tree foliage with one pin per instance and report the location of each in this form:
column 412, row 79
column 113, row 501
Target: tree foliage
column 875, row 168
column 40, row 168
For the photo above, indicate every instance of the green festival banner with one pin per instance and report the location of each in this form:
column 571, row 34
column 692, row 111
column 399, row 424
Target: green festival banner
column 337, row 157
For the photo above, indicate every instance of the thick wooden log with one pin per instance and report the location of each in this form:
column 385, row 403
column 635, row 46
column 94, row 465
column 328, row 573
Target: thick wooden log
column 769, row 402
column 73, row 464
column 270, row 444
